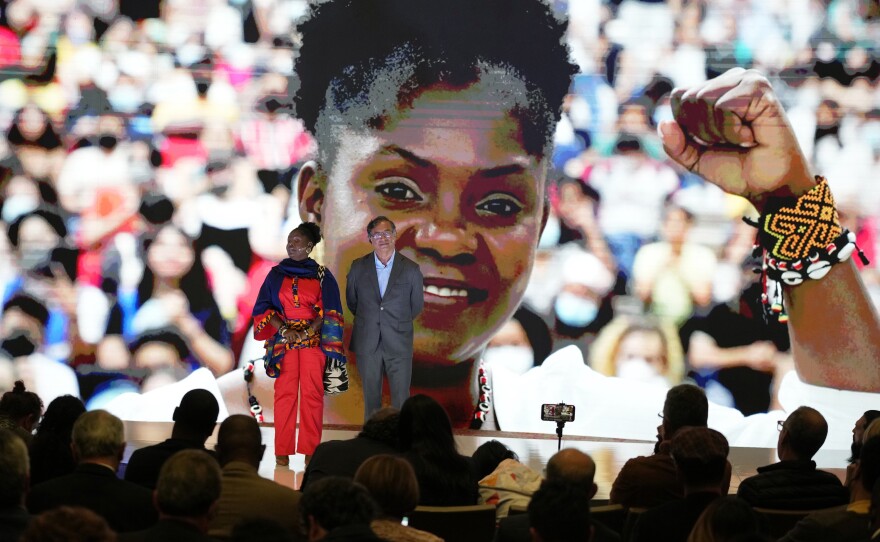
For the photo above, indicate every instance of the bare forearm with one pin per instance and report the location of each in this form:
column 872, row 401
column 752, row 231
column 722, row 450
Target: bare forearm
column 835, row 331
column 217, row 357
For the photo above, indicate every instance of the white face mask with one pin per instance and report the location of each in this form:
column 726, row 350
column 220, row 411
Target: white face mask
column 574, row 310
column 640, row 370
column 517, row 359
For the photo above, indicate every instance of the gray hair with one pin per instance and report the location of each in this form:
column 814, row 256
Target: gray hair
column 98, row 434
column 189, row 483
column 14, row 468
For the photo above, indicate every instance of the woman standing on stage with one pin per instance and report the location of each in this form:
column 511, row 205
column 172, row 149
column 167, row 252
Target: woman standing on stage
column 299, row 314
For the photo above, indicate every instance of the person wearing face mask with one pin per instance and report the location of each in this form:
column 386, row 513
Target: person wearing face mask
column 639, row 349
column 582, row 306
column 522, row 343
column 22, row 327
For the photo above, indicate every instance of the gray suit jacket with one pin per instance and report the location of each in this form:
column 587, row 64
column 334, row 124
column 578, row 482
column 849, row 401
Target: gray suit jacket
column 388, row 318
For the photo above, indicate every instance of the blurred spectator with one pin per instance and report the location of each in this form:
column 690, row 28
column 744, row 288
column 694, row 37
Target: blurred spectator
column 274, row 141
column 194, row 421
column 674, row 275
column 22, row 328
column 731, row 345
column 174, row 290
column 522, row 343
column 582, row 305
column 639, row 348
column 50, row 452
column 633, row 188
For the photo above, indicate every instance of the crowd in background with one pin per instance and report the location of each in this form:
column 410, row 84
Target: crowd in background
column 149, row 157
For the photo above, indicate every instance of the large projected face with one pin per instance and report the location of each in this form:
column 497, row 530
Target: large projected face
column 452, row 172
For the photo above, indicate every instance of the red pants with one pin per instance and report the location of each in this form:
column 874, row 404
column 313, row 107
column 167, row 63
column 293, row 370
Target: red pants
column 302, row 374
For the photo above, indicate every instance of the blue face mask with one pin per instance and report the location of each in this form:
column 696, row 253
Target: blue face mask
column 575, row 311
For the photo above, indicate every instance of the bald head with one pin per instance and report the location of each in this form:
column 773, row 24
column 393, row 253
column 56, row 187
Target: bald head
column 805, row 431
column 572, row 466
column 239, row 439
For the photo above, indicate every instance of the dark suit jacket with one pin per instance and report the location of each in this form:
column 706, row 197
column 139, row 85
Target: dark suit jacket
column 841, row 524
column 244, row 494
column 516, row 529
column 793, row 485
column 342, row 458
column 673, row 521
column 126, row 506
column 167, row 530
column 13, row 522
column 144, row 464
column 389, row 318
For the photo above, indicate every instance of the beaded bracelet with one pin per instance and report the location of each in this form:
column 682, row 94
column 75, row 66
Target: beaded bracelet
column 800, row 240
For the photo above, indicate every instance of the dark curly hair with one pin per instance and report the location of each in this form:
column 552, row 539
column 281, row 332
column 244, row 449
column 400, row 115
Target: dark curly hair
column 364, row 59
column 311, row 230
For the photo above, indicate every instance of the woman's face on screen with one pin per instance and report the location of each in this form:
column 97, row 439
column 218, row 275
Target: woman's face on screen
column 452, row 173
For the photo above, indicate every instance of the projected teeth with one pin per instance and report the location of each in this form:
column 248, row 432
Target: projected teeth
column 445, row 292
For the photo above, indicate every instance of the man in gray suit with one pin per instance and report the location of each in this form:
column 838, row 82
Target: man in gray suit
column 384, row 292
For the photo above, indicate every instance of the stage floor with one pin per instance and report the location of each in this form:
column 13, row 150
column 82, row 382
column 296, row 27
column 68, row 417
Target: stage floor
column 533, row 450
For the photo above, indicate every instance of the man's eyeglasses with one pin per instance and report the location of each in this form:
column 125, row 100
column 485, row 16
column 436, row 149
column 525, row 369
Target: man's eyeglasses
column 382, row 235
column 780, row 425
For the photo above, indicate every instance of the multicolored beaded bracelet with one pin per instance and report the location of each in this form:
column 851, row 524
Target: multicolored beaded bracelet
column 799, row 242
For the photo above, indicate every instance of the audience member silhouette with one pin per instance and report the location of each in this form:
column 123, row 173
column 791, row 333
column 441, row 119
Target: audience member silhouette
column 509, row 483
column 343, row 457
column 392, row 483
column 186, row 497
column 98, row 444
column 648, row 481
column 337, row 508
column 20, row 411
column 14, row 517
column 488, row 456
column 724, row 520
column 568, row 466
column 68, row 524
column 794, row 483
column 700, row 458
column 560, row 512
column 245, row 495
column 194, row 421
column 445, row 477
column 845, row 523
column 261, row 530
column 50, row 451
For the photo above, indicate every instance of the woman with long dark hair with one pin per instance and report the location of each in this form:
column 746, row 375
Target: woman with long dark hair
column 445, row 477
column 50, row 451
column 174, row 291
column 299, row 314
